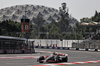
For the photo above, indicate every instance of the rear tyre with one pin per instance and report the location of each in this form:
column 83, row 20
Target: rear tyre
column 65, row 59
column 57, row 59
column 40, row 58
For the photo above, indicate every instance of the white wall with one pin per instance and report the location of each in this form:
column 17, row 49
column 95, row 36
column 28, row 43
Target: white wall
column 64, row 43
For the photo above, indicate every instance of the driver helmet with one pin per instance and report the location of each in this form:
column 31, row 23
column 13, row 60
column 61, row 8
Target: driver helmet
column 54, row 53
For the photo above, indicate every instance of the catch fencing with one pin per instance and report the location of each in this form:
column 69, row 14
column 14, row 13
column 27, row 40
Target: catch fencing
column 67, row 44
column 54, row 42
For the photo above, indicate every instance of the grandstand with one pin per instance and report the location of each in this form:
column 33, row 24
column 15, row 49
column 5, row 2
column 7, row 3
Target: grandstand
column 95, row 25
column 92, row 42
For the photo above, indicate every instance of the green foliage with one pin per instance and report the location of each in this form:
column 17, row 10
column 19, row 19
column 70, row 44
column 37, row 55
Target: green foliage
column 50, row 31
column 54, row 32
column 73, row 36
column 95, row 18
column 87, row 20
column 9, row 27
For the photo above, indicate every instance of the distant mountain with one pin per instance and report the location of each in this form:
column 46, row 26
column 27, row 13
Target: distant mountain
column 17, row 12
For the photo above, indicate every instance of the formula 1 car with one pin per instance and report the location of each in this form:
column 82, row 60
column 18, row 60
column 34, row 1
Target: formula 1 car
column 60, row 57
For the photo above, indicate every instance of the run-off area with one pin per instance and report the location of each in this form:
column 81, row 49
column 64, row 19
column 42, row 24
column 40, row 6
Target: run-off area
column 31, row 59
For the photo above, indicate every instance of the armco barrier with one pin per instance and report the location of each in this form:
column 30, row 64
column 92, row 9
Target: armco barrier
column 68, row 48
column 18, row 51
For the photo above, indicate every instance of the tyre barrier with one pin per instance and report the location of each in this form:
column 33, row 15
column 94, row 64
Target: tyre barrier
column 27, row 51
column 1, row 51
column 67, row 48
column 16, row 51
column 10, row 51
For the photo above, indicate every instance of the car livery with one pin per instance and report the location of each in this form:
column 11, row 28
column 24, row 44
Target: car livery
column 59, row 57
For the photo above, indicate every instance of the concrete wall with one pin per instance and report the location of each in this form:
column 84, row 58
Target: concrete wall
column 83, row 44
column 45, row 42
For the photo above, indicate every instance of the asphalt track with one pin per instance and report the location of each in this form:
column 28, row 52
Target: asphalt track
column 30, row 59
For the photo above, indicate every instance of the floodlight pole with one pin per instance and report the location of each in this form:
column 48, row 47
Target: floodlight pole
column 24, row 22
column 75, row 36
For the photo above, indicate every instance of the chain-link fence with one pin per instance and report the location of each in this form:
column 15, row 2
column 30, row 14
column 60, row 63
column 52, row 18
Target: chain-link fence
column 83, row 44
column 55, row 42
column 87, row 44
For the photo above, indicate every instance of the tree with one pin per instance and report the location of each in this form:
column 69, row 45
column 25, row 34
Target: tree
column 39, row 22
column 54, row 32
column 63, row 21
column 87, row 20
column 96, row 17
column 9, row 27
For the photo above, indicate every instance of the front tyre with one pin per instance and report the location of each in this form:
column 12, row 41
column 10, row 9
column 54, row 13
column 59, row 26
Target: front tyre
column 65, row 59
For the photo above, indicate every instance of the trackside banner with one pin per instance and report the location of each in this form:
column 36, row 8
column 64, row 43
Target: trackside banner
column 26, row 27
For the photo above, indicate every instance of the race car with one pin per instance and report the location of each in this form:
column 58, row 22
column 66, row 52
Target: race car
column 55, row 58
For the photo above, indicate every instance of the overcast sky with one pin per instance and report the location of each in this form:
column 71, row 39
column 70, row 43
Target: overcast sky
column 77, row 8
